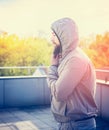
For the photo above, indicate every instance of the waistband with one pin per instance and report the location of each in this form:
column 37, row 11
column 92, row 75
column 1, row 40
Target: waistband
column 84, row 118
column 64, row 119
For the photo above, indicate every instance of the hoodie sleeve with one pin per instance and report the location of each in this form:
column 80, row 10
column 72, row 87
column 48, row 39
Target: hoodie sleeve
column 52, row 77
column 62, row 87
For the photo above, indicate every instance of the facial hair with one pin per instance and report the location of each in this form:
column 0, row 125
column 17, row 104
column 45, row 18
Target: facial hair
column 57, row 50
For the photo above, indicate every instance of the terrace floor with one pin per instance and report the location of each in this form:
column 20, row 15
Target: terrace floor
column 34, row 118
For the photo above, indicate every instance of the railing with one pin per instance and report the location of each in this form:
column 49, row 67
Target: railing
column 101, row 74
column 19, row 91
column 30, row 70
column 30, row 91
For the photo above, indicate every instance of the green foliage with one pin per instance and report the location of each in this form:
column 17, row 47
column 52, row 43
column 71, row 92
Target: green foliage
column 35, row 51
column 15, row 51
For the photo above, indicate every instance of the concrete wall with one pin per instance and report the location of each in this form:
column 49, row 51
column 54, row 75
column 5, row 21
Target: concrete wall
column 29, row 91
column 18, row 92
column 1, row 93
column 102, row 99
column 105, row 101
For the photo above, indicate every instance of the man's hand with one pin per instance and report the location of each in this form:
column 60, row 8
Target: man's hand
column 55, row 60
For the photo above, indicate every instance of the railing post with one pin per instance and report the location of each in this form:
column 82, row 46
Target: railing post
column 29, row 72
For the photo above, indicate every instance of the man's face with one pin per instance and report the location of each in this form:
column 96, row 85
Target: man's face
column 54, row 39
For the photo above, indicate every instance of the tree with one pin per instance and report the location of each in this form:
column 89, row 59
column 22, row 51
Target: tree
column 31, row 51
column 98, row 50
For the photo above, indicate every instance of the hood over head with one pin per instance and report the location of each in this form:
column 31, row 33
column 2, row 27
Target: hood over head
column 67, row 33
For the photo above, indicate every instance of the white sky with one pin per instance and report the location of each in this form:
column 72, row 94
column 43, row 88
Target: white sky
column 27, row 17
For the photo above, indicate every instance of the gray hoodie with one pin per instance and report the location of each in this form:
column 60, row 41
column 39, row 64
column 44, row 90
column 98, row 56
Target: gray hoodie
column 72, row 83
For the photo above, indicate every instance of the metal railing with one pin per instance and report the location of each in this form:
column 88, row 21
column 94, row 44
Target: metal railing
column 30, row 70
column 101, row 74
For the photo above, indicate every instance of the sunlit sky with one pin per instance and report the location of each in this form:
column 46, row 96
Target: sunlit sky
column 32, row 17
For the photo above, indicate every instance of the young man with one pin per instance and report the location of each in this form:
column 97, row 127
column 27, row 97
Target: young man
column 71, row 79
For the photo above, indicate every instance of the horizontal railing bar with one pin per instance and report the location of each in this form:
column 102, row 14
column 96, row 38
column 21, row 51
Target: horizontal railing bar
column 102, row 70
column 26, row 67
column 23, row 67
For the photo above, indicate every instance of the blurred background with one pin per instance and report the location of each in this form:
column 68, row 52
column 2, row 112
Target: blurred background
column 25, row 32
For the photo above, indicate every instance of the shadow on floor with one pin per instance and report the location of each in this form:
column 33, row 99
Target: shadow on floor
column 34, row 118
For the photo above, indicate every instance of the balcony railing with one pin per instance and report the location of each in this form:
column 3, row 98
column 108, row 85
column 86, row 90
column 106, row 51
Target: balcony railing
column 102, row 75
column 26, row 91
column 23, row 70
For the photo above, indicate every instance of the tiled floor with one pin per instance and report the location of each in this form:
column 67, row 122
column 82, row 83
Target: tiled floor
column 33, row 118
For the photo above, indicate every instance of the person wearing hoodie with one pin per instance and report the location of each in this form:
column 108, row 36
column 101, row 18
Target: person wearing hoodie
column 71, row 79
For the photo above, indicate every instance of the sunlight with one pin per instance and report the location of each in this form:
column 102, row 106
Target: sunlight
column 24, row 24
column 25, row 124
column 29, row 17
